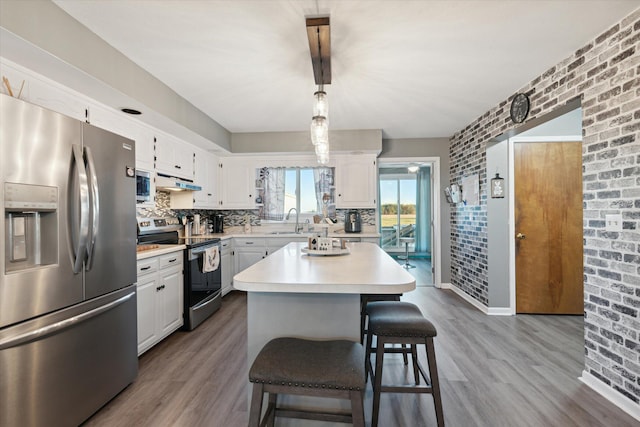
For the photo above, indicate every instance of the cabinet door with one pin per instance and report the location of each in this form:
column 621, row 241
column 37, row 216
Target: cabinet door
column 205, row 171
column 170, row 301
column 245, row 257
column 147, row 288
column 227, row 272
column 356, row 182
column 173, row 157
column 144, row 148
column 237, row 184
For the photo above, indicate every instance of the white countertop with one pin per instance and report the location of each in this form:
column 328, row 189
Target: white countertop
column 257, row 232
column 366, row 270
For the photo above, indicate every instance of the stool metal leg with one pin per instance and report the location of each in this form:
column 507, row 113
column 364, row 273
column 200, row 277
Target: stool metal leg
column 406, row 261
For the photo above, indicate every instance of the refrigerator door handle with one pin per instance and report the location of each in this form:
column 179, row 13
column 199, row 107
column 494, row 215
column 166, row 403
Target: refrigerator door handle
column 94, row 197
column 83, row 228
column 63, row 324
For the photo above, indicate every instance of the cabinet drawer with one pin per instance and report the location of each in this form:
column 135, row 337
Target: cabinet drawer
column 147, row 266
column 249, row 243
column 171, row 260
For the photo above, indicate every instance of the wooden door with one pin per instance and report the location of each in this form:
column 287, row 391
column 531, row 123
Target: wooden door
column 548, row 226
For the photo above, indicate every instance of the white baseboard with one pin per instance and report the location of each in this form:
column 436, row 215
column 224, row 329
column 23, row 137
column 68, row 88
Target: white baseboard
column 491, row 311
column 611, row 395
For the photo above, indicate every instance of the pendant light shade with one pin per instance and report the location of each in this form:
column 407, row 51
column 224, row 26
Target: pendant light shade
column 320, row 104
column 319, row 130
column 324, row 159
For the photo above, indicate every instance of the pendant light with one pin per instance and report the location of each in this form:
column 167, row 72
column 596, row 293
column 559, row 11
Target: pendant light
column 319, row 130
column 318, row 33
column 321, row 103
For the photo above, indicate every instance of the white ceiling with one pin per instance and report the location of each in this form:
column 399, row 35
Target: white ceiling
column 411, row 68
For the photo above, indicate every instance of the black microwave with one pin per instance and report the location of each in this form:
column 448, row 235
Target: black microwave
column 143, row 186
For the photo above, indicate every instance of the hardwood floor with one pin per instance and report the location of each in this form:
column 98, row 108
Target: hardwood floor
column 494, row 371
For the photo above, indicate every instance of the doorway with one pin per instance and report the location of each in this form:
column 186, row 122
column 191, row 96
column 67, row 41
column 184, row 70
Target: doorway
column 548, row 223
column 408, row 214
column 537, row 278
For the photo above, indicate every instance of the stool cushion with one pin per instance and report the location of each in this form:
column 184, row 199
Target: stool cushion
column 398, row 319
column 337, row 364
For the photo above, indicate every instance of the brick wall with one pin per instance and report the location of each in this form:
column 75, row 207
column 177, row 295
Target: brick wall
column 605, row 75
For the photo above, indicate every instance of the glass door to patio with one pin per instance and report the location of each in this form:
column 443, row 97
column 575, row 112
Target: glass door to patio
column 397, row 209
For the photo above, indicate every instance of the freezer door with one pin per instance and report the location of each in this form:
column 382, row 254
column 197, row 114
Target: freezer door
column 36, row 151
column 111, row 247
column 59, row 369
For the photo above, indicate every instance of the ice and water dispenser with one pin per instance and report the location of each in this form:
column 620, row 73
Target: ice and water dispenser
column 30, row 226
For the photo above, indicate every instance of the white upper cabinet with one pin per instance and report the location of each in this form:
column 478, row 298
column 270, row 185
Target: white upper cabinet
column 356, row 181
column 144, row 147
column 206, row 171
column 174, row 157
column 43, row 92
column 237, row 177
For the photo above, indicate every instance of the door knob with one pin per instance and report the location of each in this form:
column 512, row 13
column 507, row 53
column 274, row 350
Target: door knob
column 520, row 236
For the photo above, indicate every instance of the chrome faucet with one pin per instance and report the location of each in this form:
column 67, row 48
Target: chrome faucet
column 297, row 229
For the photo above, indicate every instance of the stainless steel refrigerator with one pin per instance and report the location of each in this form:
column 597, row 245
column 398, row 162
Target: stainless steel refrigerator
column 67, row 266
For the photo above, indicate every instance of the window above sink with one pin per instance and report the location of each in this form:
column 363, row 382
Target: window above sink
column 308, row 190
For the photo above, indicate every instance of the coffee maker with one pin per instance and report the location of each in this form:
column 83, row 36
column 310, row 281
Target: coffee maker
column 218, row 223
column 352, row 222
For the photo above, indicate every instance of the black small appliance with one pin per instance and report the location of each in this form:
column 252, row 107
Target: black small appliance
column 352, row 222
column 218, row 223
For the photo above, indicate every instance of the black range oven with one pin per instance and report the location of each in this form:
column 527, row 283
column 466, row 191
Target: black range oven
column 202, row 289
column 203, row 294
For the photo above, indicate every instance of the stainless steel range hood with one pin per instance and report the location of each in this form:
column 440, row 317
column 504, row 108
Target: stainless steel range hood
column 170, row 183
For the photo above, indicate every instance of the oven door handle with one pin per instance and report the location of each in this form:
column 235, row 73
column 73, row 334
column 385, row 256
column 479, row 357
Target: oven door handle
column 196, row 253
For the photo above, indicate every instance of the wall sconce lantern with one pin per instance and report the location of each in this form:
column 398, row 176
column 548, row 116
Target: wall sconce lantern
column 497, row 187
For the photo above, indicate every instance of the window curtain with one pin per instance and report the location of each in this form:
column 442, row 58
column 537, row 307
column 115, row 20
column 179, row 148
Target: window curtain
column 273, row 200
column 423, row 211
column 323, row 180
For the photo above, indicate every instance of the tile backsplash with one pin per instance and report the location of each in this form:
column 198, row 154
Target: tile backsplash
column 233, row 218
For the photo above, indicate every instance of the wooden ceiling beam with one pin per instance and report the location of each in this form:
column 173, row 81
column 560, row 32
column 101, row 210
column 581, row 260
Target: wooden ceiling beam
column 319, row 35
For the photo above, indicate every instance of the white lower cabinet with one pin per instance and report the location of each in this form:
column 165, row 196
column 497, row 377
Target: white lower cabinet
column 226, row 262
column 247, row 251
column 160, row 298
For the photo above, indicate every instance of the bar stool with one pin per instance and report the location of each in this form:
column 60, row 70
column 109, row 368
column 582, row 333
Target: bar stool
column 401, row 323
column 407, row 241
column 310, row 368
column 364, row 300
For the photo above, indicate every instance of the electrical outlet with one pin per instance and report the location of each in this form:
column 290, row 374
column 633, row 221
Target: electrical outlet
column 613, row 222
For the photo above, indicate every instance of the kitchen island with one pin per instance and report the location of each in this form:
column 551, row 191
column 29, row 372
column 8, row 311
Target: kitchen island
column 290, row 293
